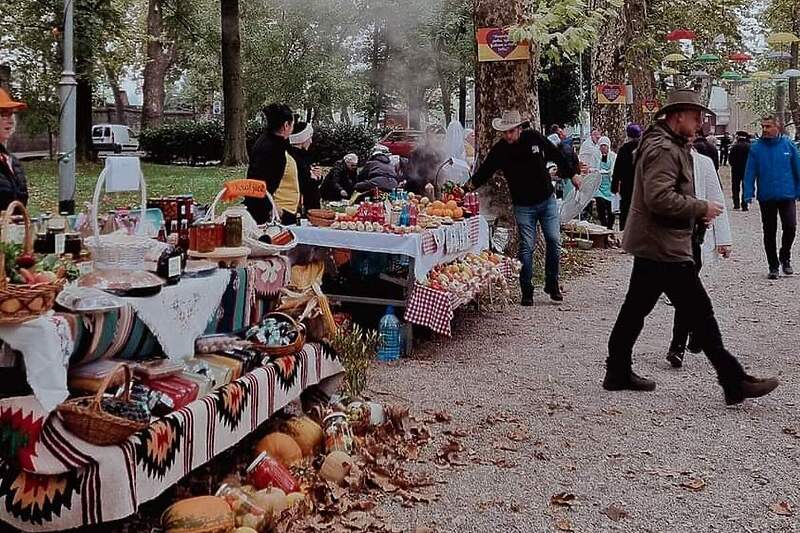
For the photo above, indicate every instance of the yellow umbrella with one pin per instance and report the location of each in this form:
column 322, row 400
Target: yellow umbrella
column 669, row 71
column 782, row 37
column 761, row 75
column 674, row 58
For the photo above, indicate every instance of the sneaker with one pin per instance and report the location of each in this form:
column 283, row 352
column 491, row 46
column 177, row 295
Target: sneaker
column 745, row 207
column 787, row 268
column 773, row 274
column 750, row 387
column 527, row 300
column 675, row 358
column 629, row 381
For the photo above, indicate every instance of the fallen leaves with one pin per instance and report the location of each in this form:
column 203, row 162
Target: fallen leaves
column 782, row 508
column 563, row 499
column 615, row 512
column 695, row 484
column 563, row 524
column 792, row 432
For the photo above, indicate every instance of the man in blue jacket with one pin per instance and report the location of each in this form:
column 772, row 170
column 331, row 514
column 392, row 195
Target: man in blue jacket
column 774, row 167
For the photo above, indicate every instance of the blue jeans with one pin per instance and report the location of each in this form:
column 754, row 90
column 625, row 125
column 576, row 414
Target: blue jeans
column 546, row 214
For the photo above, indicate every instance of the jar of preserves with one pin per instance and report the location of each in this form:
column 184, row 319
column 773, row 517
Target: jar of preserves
column 233, row 231
column 206, row 237
column 219, row 234
column 73, row 244
column 246, row 511
column 267, row 472
column 338, row 436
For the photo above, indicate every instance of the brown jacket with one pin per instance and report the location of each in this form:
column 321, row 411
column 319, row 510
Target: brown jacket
column 664, row 209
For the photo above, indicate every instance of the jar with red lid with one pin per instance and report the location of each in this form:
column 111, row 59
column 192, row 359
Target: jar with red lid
column 267, row 472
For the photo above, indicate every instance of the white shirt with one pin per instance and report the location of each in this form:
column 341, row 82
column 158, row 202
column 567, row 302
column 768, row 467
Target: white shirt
column 707, row 186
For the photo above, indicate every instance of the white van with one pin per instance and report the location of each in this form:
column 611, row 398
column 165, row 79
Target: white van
column 116, row 138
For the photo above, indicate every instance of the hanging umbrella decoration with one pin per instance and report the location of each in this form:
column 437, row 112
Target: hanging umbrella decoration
column 740, row 57
column 731, row 76
column 707, row 58
column 761, row 75
column 791, row 73
column 781, row 38
column 681, row 35
column 699, row 74
column 669, row 71
column 778, row 55
column 675, row 58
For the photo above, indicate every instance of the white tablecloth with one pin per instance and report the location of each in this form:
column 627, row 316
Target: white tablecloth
column 410, row 245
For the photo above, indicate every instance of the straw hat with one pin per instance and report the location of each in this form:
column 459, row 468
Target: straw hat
column 7, row 103
column 683, row 99
column 509, row 121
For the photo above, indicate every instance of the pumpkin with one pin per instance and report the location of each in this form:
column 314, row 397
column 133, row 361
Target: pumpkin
column 295, row 498
column 204, row 514
column 244, row 530
column 336, row 467
column 306, row 433
column 458, row 212
column 452, row 204
column 273, row 501
column 281, row 447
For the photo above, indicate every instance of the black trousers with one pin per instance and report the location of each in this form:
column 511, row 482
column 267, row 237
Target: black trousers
column 723, row 156
column 737, row 189
column 624, row 209
column 681, row 325
column 680, row 282
column 770, row 211
column 604, row 212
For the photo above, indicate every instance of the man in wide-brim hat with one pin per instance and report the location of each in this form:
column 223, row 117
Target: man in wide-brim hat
column 665, row 216
column 13, row 184
column 522, row 155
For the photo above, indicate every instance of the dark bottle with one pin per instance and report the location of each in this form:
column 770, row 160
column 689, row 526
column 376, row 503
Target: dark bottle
column 162, row 233
column 170, row 264
column 183, row 237
column 172, row 236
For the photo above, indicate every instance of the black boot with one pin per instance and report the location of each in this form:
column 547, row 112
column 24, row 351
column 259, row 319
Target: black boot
column 675, row 357
column 555, row 293
column 616, row 381
column 527, row 296
column 749, row 387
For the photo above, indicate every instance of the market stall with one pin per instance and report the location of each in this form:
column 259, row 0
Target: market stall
column 193, row 349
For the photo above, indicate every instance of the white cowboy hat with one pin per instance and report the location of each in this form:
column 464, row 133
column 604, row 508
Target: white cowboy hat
column 509, row 121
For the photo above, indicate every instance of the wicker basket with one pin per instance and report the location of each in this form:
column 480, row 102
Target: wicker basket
column 321, row 218
column 21, row 303
column 284, row 351
column 117, row 252
column 86, row 419
column 251, row 230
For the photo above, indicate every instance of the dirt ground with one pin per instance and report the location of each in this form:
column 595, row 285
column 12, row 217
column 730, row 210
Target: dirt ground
column 524, row 388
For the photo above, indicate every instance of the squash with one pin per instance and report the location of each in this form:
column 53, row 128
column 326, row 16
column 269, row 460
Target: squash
column 336, row 467
column 204, row 514
column 295, row 498
column 244, row 529
column 273, row 501
column 306, row 433
column 281, row 447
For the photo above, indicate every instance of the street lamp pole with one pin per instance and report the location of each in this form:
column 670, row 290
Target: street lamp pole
column 66, row 145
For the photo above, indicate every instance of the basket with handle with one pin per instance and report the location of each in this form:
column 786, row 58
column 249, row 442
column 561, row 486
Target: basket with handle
column 251, row 231
column 86, row 418
column 289, row 349
column 21, row 303
column 115, row 251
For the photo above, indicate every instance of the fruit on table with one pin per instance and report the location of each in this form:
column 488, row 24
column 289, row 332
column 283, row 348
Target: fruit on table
column 204, row 514
column 282, row 447
column 336, row 467
column 10, row 306
column 26, row 261
column 306, row 433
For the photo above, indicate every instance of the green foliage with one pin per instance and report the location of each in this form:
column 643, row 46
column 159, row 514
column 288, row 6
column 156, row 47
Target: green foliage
column 332, row 142
column 356, row 349
column 190, row 141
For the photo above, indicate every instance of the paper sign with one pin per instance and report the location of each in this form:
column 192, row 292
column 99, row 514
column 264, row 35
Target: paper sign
column 651, row 106
column 612, row 94
column 494, row 44
column 122, row 173
column 249, row 188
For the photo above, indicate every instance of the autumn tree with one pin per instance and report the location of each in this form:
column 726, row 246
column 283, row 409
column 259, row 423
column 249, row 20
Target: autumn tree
column 235, row 147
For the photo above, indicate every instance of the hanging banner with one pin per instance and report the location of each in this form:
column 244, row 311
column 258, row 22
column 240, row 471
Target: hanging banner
column 612, row 94
column 494, row 44
column 651, row 105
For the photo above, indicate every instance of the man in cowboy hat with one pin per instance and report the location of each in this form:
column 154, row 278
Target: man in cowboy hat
column 522, row 155
column 13, row 185
column 661, row 226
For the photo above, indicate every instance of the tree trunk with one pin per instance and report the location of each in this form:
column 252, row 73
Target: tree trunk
column 794, row 96
column 501, row 86
column 235, row 148
column 637, row 62
column 607, row 67
column 119, row 101
column 447, row 102
column 462, row 100
column 160, row 57
column 83, row 123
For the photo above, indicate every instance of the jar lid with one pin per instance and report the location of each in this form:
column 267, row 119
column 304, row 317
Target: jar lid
column 333, row 416
column 260, row 457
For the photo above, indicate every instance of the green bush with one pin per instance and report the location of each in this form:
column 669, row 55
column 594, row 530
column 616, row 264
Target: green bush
column 333, row 142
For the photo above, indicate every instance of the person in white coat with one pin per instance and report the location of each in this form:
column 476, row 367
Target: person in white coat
column 708, row 244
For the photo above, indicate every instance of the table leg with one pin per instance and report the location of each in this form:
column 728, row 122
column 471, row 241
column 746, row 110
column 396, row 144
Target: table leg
column 409, row 327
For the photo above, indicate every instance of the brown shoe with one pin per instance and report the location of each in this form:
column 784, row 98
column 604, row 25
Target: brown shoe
column 750, row 387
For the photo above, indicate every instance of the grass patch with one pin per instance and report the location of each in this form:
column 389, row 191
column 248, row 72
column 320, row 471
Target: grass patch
column 162, row 180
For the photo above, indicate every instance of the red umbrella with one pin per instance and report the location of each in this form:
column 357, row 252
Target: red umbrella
column 740, row 57
column 681, row 35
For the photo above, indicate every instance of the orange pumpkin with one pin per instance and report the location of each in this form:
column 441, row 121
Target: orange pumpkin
column 282, row 447
column 458, row 212
column 204, row 514
column 452, row 204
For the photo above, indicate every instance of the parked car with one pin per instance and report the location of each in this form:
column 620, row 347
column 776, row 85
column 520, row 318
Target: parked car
column 402, row 142
column 115, row 138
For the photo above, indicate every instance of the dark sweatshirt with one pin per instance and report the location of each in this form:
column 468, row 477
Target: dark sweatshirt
column 267, row 164
column 524, row 167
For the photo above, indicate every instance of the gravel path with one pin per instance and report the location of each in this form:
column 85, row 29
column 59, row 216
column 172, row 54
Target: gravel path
column 524, row 385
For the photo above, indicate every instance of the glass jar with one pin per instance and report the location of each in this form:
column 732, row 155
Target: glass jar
column 267, row 472
column 219, row 235
column 233, row 231
column 247, row 513
column 73, row 244
column 338, row 436
column 206, row 237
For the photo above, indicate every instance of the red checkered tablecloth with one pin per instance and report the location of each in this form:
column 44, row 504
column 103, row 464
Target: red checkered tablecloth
column 435, row 308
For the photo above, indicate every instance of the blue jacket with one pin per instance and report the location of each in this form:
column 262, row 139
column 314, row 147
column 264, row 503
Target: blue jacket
column 773, row 164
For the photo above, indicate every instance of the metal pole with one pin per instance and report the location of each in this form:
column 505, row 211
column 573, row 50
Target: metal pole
column 580, row 73
column 66, row 144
